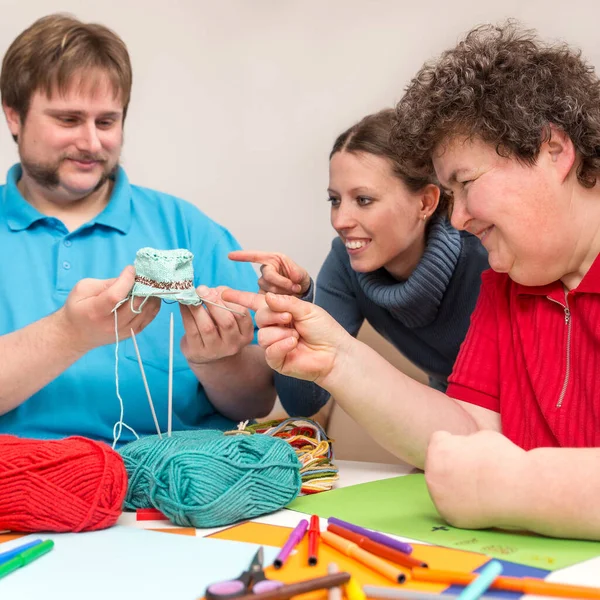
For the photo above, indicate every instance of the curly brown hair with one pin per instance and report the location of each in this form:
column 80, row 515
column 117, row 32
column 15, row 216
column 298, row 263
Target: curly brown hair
column 505, row 86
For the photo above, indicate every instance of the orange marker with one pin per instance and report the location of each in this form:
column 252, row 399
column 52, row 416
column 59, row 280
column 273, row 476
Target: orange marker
column 400, row 558
column 362, row 556
column 314, row 533
column 524, row 585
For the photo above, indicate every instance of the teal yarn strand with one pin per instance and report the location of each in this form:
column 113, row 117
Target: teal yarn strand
column 208, row 479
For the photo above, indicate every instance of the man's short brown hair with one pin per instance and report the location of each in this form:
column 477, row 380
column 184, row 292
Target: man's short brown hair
column 49, row 53
column 503, row 85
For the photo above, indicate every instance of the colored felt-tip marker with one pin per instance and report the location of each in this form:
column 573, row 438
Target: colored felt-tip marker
column 294, row 539
column 395, row 593
column 25, row 557
column 400, row 558
column 314, row 533
column 380, row 538
column 523, row 585
column 6, row 556
column 300, row 587
column 149, row 514
column 354, row 591
column 362, row 556
column 483, row 581
column 334, row 593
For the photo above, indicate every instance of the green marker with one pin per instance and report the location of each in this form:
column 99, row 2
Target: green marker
column 25, row 557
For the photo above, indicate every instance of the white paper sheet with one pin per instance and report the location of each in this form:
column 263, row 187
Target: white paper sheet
column 125, row 563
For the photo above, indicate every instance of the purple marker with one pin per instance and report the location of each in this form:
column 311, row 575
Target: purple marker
column 373, row 535
column 294, row 539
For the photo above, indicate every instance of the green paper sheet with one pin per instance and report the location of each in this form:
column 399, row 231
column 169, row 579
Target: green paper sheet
column 402, row 506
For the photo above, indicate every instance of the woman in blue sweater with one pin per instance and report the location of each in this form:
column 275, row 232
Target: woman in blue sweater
column 397, row 262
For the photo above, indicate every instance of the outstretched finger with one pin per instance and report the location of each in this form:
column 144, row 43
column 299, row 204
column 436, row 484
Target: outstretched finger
column 253, row 256
column 246, row 299
column 299, row 309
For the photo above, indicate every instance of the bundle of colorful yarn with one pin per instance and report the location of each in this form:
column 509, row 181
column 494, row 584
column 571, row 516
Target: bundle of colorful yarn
column 205, row 478
column 196, row 478
column 312, row 445
column 66, row 485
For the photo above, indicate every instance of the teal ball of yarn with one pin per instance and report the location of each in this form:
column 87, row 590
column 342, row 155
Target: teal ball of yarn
column 142, row 457
column 208, row 479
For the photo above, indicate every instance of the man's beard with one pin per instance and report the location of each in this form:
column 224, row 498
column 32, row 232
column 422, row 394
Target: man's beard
column 46, row 175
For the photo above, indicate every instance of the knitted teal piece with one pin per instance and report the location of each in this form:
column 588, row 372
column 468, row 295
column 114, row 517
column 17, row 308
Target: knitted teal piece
column 167, row 274
column 205, row 478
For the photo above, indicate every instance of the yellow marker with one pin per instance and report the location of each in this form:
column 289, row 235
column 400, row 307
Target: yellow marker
column 354, row 591
column 362, row 556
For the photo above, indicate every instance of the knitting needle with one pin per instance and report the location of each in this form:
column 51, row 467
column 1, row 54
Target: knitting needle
column 170, row 402
column 139, row 358
column 237, row 312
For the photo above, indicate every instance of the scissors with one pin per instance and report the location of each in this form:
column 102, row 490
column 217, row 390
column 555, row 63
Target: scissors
column 252, row 580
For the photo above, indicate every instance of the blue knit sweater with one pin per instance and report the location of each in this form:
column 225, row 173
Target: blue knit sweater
column 425, row 317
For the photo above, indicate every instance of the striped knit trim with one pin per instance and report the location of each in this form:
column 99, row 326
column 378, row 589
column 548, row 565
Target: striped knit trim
column 184, row 284
column 415, row 302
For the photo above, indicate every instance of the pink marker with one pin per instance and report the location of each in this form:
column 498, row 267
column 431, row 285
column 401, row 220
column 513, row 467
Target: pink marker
column 294, row 539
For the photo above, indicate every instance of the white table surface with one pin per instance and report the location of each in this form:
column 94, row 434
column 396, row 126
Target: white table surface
column 354, row 473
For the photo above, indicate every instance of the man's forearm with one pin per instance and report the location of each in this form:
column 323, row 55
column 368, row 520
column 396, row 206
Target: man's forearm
column 240, row 387
column 32, row 357
column 399, row 412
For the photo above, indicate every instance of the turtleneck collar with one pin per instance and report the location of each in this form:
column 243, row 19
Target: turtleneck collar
column 415, row 301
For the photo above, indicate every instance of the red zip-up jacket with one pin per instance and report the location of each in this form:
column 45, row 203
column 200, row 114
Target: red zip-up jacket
column 532, row 354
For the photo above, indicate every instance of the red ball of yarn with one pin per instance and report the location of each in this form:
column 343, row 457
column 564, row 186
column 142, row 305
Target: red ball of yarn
column 74, row 484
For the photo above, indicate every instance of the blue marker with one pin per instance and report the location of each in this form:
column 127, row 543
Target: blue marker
column 24, row 558
column 5, row 556
column 480, row 584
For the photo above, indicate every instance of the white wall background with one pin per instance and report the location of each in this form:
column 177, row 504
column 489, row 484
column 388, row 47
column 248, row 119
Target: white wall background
column 236, row 103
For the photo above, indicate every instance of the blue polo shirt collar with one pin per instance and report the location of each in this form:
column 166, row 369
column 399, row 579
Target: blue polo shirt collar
column 117, row 214
column 21, row 215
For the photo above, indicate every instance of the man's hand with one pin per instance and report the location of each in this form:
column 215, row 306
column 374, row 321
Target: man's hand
column 88, row 318
column 279, row 273
column 473, row 479
column 212, row 333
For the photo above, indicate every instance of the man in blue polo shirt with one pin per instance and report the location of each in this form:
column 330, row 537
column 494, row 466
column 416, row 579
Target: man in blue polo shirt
column 70, row 224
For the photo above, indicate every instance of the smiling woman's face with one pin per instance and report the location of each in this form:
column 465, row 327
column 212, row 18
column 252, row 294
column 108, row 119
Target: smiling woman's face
column 376, row 216
column 520, row 212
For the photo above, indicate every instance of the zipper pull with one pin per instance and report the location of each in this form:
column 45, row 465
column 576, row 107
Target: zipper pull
column 567, row 315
